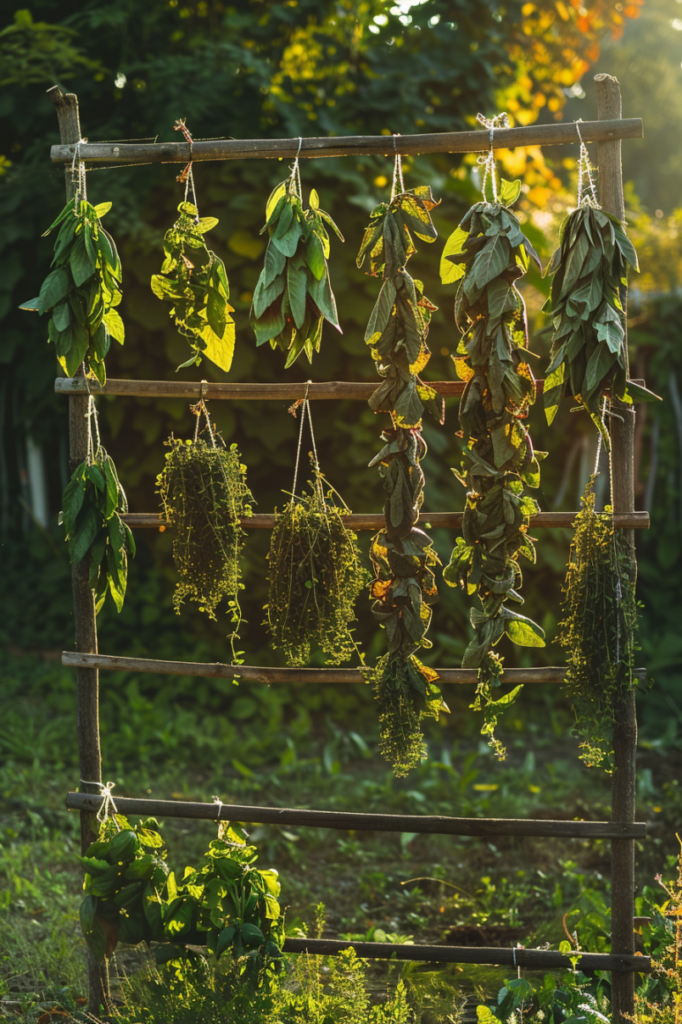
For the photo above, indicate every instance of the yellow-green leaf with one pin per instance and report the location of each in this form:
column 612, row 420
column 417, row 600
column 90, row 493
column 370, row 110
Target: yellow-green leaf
column 220, row 350
column 451, row 272
column 103, row 208
column 275, row 197
column 314, row 200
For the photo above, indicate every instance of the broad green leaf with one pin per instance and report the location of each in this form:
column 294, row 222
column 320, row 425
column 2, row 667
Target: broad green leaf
column 297, row 290
column 114, row 325
column 102, row 209
column 451, row 272
column 87, row 527
column 220, row 350
column 509, row 191
column 83, row 264
column 206, row 224
column 54, row 288
column 275, row 196
column 525, row 633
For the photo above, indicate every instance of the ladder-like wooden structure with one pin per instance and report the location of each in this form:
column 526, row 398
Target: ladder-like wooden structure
column 622, row 830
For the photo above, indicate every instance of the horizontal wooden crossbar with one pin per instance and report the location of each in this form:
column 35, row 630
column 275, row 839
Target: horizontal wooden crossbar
column 194, row 390
column 348, row 145
column 376, row 521
column 431, row 824
column 540, row 959
column 296, row 676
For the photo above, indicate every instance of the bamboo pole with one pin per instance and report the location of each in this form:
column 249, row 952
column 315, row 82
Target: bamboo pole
column 423, row 824
column 622, row 429
column 84, row 616
column 114, row 153
column 269, row 674
column 538, row 959
column 377, row 520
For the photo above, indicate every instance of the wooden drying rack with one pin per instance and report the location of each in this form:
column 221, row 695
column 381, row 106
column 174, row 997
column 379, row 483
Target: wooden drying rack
column 622, row 830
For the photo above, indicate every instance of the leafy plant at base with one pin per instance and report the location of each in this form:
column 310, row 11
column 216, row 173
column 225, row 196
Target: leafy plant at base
column 81, row 293
column 226, row 904
column 587, row 306
column 92, row 504
column 487, row 254
column 598, row 629
column 314, row 578
column 402, row 555
column 293, row 296
column 665, row 1006
column 197, row 288
column 574, row 998
column 204, row 496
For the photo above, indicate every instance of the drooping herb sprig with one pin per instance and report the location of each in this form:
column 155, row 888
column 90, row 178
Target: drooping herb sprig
column 204, row 495
column 91, row 513
column 487, row 254
column 227, row 904
column 83, row 290
column 193, row 279
column 598, row 628
column 293, row 296
column 402, row 555
column 587, row 306
column 314, row 577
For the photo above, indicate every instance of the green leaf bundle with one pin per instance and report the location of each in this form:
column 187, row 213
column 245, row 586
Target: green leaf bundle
column 487, row 254
column 83, row 290
column 314, row 579
column 587, row 306
column 598, row 628
column 91, row 513
column 193, row 279
column 204, row 495
column 293, row 296
column 402, row 555
column 227, row 904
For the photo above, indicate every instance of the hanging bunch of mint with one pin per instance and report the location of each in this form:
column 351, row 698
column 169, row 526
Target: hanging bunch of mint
column 403, row 557
column 92, row 505
column 82, row 291
column 587, row 307
column 487, row 255
column 293, row 296
column 194, row 281
column 226, row 905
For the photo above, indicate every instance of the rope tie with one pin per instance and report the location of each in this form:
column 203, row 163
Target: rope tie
column 296, row 171
column 397, row 169
column 107, row 808
column 197, row 411
column 187, row 176
column 586, row 196
column 78, row 173
column 595, row 471
column 218, row 801
column 305, row 408
column 488, row 161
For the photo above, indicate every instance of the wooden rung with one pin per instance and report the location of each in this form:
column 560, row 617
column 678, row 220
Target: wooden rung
column 348, row 145
column 376, row 521
column 431, row 824
column 296, row 676
column 540, row 959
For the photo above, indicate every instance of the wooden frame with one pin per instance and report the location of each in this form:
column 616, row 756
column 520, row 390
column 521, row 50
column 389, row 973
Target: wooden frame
column 623, row 831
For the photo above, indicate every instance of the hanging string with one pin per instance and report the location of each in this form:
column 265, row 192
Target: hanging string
column 488, row 161
column 586, row 196
column 187, row 176
column 397, row 169
column 296, row 172
column 595, row 471
column 78, row 180
column 197, row 411
column 304, row 408
column 107, row 808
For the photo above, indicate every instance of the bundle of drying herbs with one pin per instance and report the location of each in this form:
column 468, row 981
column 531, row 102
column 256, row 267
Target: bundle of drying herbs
column 314, row 575
column 587, row 306
column 293, row 296
column 92, row 505
column 402, row 555
column 83, row 290
column 487, row 254
column 598, row 628
column 204, row 495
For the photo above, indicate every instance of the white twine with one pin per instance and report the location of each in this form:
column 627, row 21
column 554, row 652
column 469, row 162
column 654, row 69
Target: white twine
column 189, row 184
column 305, row 408
column 586, row 196
column 296, row 171
column 218, row 801
column 397, row 169
column 107, row 804
column 78, row 176
column 488, row 161
column 197, row 411
column 595, row 471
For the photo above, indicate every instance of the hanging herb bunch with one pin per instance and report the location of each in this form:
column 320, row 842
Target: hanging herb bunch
column 92, row 505
column 204, row 495
column 598, row 629
column 82, row 291
column 487, row 255
column 193, row 279
column 293, row 296
column 314, row 572
column 587, row 306
column 228, row 904
column 402, row 555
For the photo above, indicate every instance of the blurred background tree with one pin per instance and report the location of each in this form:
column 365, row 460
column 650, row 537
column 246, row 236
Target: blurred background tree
column 305, row 67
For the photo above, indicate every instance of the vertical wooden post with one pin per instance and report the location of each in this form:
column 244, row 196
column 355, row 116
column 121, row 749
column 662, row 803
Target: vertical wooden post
column 622, row 429
column 85, row 624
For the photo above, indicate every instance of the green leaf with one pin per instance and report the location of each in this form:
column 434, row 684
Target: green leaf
column 102, row 209
column 114, row 325
column 525, row 633
column 509, row 191
column 449, row 271
column 315, row 256
column 220, row 348
column 314, row 200
column 91, row 928
column 288, row 243
column 224, row 940
column 82, row 262
column 297, row 290
column 382, row 311
column 54, row 288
